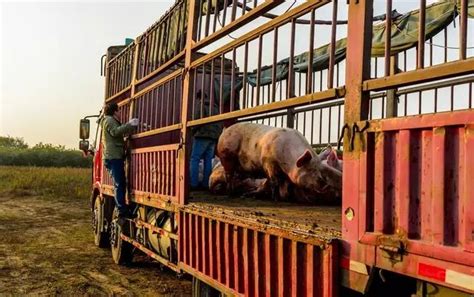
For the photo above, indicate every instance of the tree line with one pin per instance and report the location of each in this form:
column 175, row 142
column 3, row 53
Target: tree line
column 14, row 151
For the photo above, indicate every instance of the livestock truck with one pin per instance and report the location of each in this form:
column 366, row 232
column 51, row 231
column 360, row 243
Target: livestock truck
column 389, row 82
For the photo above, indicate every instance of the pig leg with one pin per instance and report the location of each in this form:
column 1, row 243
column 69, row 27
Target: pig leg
column 271, row 170
column 229, row 172
column 284, row 189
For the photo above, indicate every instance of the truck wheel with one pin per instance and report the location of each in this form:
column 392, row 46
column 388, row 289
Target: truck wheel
column 201, row 289
column 101, row 238
column 122, row 251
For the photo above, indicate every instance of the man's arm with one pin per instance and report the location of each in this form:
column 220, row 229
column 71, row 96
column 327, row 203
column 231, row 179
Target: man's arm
column 113, row 127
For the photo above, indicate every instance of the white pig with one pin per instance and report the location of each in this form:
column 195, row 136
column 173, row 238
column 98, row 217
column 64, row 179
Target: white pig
column 281, row 155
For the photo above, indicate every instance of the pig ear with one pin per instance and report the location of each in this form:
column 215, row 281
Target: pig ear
column 304, row 159
column 332, row 158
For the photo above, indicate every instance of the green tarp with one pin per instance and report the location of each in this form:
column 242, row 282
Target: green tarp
column 404, row 33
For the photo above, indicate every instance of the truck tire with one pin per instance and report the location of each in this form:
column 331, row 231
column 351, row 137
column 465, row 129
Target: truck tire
column 101, row 238
column 122, row 251
column 201, row 289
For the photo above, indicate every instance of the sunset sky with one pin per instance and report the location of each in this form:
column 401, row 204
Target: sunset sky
column 50, row 62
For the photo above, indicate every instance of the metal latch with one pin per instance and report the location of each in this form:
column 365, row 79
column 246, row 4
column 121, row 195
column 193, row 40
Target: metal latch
column 393, row 248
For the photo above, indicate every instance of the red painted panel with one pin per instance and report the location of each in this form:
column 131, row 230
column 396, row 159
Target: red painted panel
column 422, row 189
column 255, row 263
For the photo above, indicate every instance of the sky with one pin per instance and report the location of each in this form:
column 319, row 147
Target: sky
column 50, row 62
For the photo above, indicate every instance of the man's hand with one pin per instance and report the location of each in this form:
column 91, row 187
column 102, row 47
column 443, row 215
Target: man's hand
column 133, row 122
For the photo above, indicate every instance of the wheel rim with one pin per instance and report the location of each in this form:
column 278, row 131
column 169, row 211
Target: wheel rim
column 95, row 216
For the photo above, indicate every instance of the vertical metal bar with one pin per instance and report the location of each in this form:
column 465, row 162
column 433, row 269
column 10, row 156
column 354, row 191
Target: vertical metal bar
column 238, row 259
column 234, row 9
column 431, row 51
column 438, row 186
column 359, row 39
column 212, row 87
column 445, row 45
column 244, row 81
column 309, row 77
column 224, row 13
column 275, row 56
column 435, row 100
column 208, row 19
column 392, row 100
column 256, row 256
column 329, row 124
column 176, row 46
column 388, row 37
column 376, row 66
column 463, row 30
column 167, row 38
column 221, row 86
column 246, row 255
column 199, row 20
column 205, row 246
column 197, row 242
column 294, row 269
column 452, row 98
column 259, row 67
column 216, row 13
column 183, row 156
column 419, row 102
column 403, row 173
column 320, row 125
column 203, row 92
column 332, row 53
column 338, row 121
column 219, row 252
column 291, row 72
column 232, row 80
column 470, row 95
column 227, row 253
column 421, row 36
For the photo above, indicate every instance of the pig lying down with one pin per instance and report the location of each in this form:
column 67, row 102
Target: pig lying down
column 242, row 186
column 281, row 156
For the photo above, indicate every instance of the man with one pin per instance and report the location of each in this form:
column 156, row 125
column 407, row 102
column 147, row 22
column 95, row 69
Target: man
column 113, row 153
column 204, row 143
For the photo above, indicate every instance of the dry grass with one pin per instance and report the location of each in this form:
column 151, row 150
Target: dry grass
column 46, row 245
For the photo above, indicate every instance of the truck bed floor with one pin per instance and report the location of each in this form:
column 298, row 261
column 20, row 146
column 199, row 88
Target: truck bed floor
column 321, row 220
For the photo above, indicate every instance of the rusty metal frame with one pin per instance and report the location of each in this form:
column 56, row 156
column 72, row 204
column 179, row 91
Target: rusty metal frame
column 265, row 28
column 151, row 254
column 288, row 103
column 237, row 23
column 446, row 70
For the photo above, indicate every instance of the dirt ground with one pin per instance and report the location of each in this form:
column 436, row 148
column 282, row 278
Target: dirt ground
column 47, row 248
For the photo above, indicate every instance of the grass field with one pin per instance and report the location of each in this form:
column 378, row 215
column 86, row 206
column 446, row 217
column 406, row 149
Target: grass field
column 46, row 245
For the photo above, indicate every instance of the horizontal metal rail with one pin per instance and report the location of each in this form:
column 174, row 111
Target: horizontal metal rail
column 293, row 102
column 161, row 231
column 151, row 254
column 447, row 70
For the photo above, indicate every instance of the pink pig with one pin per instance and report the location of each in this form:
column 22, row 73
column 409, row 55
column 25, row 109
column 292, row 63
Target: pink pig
column 218, row 183
column 329, row 157
column 281, row 155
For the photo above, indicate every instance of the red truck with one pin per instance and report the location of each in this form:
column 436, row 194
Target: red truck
column 400, row 104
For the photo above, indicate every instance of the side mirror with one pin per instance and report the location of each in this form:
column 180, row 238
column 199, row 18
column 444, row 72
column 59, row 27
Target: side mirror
column 84, row 129
column 84, row 145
